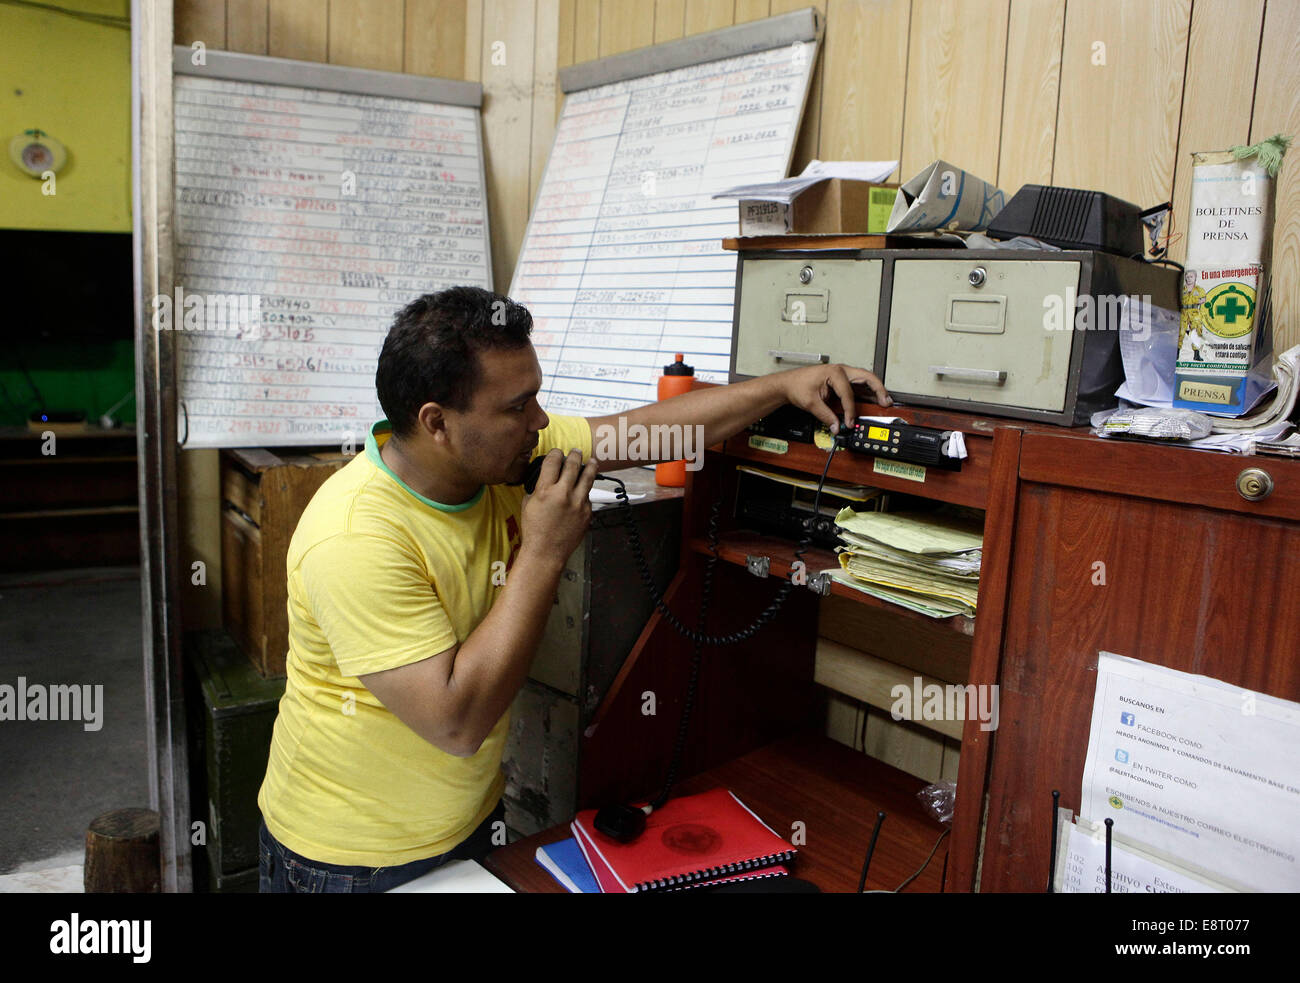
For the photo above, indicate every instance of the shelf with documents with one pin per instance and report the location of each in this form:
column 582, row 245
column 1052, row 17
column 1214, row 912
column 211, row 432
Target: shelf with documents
column 737, row 545
column 779, row 682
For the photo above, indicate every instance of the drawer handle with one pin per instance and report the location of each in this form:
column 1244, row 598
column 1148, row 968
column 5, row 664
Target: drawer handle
column 995, row 376
column 808, row 358
column 1254, row 484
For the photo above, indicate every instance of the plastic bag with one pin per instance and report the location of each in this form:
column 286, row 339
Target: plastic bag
column 938, row 800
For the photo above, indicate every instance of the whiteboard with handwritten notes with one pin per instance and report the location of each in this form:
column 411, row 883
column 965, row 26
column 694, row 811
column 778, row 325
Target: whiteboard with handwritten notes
column 622, row 264
column 312, row 202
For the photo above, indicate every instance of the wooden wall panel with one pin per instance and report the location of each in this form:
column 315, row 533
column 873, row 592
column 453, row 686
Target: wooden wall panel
column 565, row 31
column 586, row 31
column 904, row 745
column 564, row 47
column 1035, row 30
column 865, row 62
column 546, row 60
column 298, row 29
column 807, row 140
column 670, row 20
column 956, row 53
column 747, row 10
column 1117, row 129
column 507, row 124
column 473, row 40
column 246, row 26
column 366, row 34
column 1217, row 93
column 709, row 15
column 844, row 720
column 200, row 20
column 624, row 26
column 1277, row 110
column 433, row 42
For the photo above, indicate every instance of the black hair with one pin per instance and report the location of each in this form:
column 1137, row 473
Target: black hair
column 431, row 352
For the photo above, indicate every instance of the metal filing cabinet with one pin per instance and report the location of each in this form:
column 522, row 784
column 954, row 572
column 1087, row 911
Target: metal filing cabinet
column 1033, row 335
column 796, row 309
column 965, row 329
column 972, row 329
column 601, row 608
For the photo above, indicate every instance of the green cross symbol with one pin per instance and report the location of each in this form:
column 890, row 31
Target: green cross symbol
column 1230, row 308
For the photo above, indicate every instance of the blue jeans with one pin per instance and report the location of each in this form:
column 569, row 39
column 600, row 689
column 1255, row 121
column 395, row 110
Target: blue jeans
column 281, row 871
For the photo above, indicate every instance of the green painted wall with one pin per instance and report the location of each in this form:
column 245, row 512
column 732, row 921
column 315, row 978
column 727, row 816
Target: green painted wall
column 71, row 79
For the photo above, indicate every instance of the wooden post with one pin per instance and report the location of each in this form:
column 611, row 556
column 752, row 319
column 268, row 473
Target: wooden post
column 122, row 853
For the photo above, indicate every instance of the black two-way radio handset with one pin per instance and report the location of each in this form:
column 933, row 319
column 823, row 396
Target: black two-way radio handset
column 534, row 471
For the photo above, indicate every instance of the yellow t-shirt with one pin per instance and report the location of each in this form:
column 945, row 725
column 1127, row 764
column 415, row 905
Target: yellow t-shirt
column 381, row 577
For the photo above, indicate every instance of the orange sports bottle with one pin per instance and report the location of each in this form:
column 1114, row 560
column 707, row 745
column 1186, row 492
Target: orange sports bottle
column 677, row 379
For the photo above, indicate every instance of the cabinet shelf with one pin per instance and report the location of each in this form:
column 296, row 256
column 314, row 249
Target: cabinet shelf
column 737, row 544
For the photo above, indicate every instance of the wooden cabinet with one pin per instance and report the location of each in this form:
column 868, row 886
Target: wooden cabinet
column 1089, row 545
column 763, row 691
column 1144, row 551
column 263, row 495
column 68, row 499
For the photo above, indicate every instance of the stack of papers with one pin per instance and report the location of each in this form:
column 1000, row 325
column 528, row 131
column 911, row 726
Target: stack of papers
column 925, row 562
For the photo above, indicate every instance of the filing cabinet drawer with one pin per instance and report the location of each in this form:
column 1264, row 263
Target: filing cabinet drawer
column 974, row 329
column 800, row 310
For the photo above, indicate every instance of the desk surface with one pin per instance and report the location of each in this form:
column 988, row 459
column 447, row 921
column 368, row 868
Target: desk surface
column 833, row 790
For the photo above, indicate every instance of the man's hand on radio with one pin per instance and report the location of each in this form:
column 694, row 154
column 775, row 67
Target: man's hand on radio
column 810, row 388
column 557, row 514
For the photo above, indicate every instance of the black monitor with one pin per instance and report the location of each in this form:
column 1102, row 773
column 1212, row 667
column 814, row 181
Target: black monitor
column 67, row 285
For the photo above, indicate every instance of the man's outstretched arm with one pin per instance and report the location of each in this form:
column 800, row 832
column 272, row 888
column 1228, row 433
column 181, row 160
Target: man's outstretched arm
column 724, row 411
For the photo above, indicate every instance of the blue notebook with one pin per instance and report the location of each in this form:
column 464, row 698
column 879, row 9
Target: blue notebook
column 564, row 861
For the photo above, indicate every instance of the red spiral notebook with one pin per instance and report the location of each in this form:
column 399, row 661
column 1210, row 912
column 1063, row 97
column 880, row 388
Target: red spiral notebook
column 688, row 842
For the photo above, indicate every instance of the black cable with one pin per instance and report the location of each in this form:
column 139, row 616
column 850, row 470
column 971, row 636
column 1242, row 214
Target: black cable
column 1158, row 261
column 697, row 652
column 764, row 616
column 699, row 638
column 926, row 864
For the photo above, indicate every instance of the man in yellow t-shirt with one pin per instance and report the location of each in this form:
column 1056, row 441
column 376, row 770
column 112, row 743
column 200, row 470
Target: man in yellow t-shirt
column 420, row 580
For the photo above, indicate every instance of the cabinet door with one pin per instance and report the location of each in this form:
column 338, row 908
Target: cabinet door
column 1143, row 551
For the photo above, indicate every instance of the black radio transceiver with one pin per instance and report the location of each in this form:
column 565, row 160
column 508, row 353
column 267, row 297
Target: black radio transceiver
column 903, row 442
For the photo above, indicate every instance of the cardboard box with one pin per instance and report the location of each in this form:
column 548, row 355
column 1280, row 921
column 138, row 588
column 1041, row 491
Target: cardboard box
column 836, row 205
